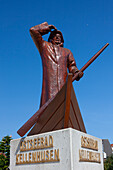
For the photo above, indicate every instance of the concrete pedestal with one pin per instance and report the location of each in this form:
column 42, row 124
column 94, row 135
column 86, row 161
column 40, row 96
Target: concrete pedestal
column 66, row 149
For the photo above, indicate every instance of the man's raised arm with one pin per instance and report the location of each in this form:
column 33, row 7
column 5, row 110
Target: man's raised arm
column 38, row 31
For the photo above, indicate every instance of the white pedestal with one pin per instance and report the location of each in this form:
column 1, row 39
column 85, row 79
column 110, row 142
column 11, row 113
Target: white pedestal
column 66, row 149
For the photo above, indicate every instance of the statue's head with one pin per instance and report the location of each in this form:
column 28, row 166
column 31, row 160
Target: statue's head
column 56, row 37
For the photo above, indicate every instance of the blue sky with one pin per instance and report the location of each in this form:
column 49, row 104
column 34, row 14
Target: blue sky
column 86, row 26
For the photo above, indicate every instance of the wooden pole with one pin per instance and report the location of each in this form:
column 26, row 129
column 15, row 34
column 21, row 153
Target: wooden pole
column 90, row 61
column 67, row 100
column 26, row 127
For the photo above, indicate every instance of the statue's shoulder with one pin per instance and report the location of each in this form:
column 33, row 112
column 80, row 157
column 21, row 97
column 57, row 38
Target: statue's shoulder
column 45, row 43
column 66, row 50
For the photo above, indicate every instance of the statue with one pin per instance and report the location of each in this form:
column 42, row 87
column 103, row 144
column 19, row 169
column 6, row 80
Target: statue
column 58, row 108
column 55, row 60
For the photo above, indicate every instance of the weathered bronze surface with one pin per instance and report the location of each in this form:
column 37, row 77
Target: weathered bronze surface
column 63, row 106
column 55, row 60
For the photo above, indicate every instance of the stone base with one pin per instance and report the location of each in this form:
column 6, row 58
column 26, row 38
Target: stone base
column 66, row 149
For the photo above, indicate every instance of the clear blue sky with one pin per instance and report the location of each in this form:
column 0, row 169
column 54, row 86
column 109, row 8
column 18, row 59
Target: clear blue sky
column 86, row 26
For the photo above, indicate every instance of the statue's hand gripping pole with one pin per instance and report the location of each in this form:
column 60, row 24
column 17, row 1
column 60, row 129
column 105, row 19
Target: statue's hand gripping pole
column 90, row 61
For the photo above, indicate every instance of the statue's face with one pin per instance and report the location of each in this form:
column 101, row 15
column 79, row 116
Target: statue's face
column 57, row 39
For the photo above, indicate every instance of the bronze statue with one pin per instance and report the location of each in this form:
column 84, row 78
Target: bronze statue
column 55, row 59
column 61, row 110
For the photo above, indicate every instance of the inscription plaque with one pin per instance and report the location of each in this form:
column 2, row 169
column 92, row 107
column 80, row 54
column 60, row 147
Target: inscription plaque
column 50, row 155
column 86, row 155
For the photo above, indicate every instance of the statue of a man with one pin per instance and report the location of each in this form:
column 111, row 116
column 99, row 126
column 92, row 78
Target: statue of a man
column 55, row 60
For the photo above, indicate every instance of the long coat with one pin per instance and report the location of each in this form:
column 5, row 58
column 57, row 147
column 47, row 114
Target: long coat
column 55, row 61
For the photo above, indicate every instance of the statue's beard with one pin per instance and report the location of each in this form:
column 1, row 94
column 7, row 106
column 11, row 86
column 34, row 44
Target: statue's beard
column 57, row 43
